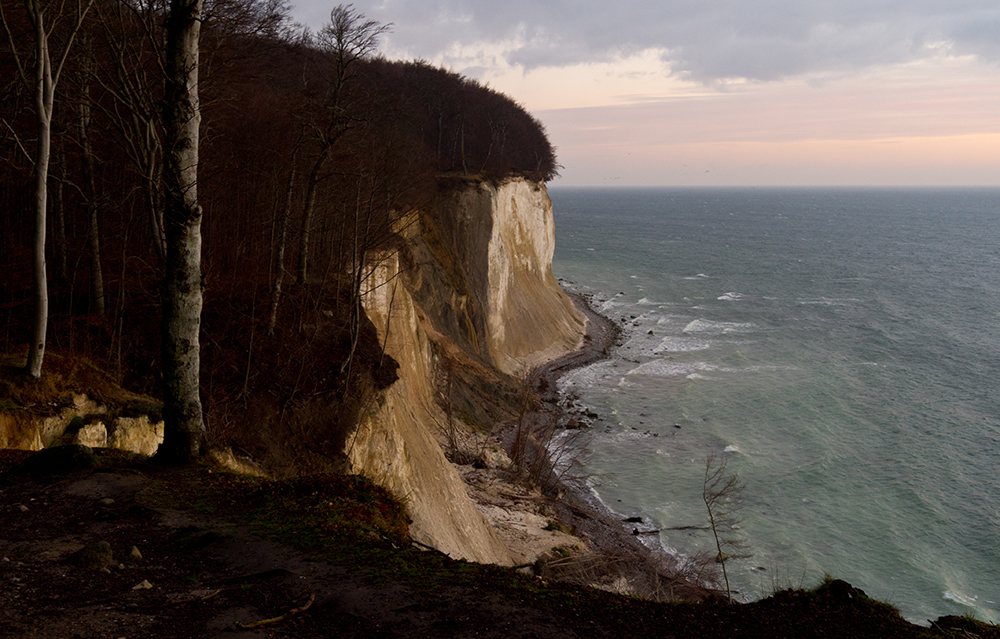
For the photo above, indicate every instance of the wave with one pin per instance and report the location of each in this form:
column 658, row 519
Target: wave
column 680, row 345
column 828, row 301
column 699, row 376
column 670, row 368
column 730, row 297
column 719, row 328
column 960, row 598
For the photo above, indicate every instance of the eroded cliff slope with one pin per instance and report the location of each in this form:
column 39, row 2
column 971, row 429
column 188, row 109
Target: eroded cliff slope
column 467, row 306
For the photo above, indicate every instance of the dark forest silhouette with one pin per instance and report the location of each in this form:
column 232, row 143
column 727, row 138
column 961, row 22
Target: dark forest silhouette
column 287, row 115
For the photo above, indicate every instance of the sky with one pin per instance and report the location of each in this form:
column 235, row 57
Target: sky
column 729, row 92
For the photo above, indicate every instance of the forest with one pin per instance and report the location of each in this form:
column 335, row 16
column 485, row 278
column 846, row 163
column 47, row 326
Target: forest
column 311, row 147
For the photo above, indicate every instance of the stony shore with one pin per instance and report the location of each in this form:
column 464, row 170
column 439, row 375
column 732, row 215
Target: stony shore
column 555, row 522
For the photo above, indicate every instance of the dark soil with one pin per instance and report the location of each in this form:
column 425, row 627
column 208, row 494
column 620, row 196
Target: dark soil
column 224, row 554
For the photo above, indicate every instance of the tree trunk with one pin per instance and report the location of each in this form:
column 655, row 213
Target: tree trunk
column 44, row 99
column 153, row 182
column 184, row 428
column 89, row 190
column 279, row 276
column 43, row 86
column 59, row 204
column 307, row 212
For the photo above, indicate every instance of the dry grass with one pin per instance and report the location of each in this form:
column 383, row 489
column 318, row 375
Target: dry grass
column 63, row 375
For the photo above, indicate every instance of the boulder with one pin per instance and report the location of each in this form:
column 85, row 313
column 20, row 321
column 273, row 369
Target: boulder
column 92, row 435
column 136, row 435
column 96, row 556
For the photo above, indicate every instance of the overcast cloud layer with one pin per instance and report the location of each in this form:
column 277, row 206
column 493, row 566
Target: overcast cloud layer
column 705, row 40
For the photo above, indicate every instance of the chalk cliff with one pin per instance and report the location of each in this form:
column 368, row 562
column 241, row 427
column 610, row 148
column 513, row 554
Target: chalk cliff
column 467, row 304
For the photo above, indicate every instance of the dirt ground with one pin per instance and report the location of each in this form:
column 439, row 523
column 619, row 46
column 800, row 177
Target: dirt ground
column 201, row 574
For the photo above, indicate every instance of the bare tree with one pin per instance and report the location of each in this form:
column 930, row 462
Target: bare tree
column 87, row 165
column 133, row 49
column 347, row 38
column 722, row 493
column 184, row 425
column 43, row 79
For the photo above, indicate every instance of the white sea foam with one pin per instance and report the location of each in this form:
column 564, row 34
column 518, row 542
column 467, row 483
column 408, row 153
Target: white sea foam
column 699, row 376
column 647, row 302
column 598, row 373
column 731, row 449
column 718, row 328
column 960, row 598
column 673, row 319
column 730, row 297
column 828, row 301
column 757, row 369
column 675, row 344
column 670, row 368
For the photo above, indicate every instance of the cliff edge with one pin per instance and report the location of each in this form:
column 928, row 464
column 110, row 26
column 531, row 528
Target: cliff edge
column 467, row 306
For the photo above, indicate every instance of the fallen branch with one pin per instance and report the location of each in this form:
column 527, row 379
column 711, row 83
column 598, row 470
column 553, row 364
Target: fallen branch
column 290, row 613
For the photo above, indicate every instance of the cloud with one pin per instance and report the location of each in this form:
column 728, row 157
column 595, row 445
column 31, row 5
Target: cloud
column 704, row 40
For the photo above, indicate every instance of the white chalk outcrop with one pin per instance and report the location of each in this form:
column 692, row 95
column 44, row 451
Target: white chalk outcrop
column 473, row 285
column 82, row 421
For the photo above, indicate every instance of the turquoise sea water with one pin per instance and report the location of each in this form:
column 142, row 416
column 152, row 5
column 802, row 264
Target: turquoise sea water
column 840, row 347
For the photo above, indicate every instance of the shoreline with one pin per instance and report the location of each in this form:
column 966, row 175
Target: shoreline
column 648, row 572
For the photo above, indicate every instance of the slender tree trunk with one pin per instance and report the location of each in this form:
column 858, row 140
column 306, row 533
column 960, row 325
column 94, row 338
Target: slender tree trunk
column 153, row 181
column 307, row 212
column 44, row 99
column 89, row 189
column 184, row 432
column 279, row 276
column 44, row 89
column 62, row 270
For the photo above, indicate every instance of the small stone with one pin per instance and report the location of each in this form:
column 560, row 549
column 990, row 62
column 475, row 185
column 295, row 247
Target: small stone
column 107, row 501
column 22, row 508
column 106, row 571
column 121, row 566
column 134, row 554
column 142, row 585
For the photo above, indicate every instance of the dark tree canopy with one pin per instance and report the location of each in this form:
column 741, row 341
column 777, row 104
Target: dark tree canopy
column 269, row 92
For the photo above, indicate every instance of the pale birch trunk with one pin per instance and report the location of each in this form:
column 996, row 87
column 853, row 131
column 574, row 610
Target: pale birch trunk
column 43, row 84
column 184, row 432
column 44, row 99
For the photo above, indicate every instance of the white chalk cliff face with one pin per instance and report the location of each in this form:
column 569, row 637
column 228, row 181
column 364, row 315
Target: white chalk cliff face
column 530, row 320
column 472, row 286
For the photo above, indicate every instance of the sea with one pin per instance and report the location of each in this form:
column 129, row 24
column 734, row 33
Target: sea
column 838, row 347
